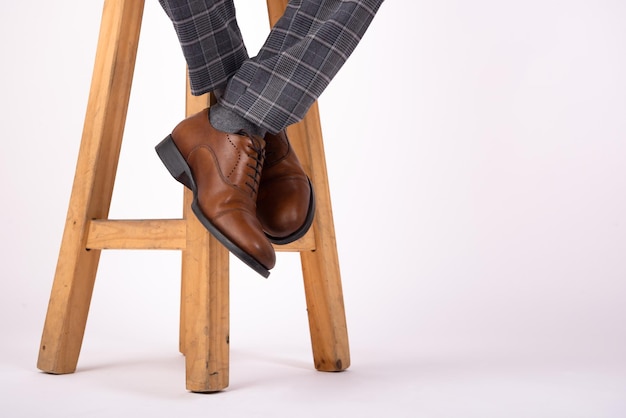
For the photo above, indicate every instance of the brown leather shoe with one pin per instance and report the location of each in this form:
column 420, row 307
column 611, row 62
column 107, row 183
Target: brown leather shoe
column 286, row 203
column 222, row 170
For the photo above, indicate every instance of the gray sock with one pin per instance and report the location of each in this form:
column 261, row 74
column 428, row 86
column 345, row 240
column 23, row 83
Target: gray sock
column 226, row 120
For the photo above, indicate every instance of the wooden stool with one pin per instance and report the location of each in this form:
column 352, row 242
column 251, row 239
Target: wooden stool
column 204, row 321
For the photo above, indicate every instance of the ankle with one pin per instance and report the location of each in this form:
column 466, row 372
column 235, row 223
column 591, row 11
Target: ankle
column 226, row 120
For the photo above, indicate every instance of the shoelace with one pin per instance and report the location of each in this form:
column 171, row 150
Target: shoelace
column 257, row 156
column 273, row 145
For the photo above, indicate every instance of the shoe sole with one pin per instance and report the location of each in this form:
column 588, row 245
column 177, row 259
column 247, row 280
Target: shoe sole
column 175, row 163
column 300, row 232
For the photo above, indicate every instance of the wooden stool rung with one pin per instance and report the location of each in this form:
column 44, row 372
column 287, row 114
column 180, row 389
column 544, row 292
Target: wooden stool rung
column 159, row 234
column 162, row 234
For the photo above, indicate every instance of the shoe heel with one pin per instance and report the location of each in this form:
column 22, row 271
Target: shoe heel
column 175, row 162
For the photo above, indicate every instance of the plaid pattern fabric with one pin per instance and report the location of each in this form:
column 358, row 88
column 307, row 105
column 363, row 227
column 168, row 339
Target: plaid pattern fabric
column 303, row 52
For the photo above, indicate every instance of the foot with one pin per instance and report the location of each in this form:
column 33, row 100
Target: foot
column 286, row 204
column 223, row 171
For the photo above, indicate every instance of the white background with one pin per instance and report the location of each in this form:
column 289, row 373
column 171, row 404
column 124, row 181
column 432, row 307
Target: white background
column 476, row 158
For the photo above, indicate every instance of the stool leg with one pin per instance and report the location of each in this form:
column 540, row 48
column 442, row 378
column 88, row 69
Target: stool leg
column 93, row 185
column 204, row 328
column 206, row 311
column 320, row 268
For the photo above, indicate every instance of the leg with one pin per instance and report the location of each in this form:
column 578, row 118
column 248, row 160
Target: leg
column 305, row 49
column 93, row 185
column 303, row 52
column 320, row 268
column 210, row 40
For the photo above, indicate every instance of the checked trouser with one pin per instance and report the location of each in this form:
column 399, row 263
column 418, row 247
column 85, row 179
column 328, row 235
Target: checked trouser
column 303, row 52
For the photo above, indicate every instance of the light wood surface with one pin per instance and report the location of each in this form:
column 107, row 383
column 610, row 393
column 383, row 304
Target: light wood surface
column 320, row 268
column 158, row 234
column 93, row 185
column 204, row 314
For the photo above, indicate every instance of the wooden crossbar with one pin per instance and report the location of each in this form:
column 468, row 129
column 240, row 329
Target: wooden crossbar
column 158, row 234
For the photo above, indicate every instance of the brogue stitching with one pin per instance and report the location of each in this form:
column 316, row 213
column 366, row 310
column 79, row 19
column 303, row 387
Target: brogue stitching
column 233, row 169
